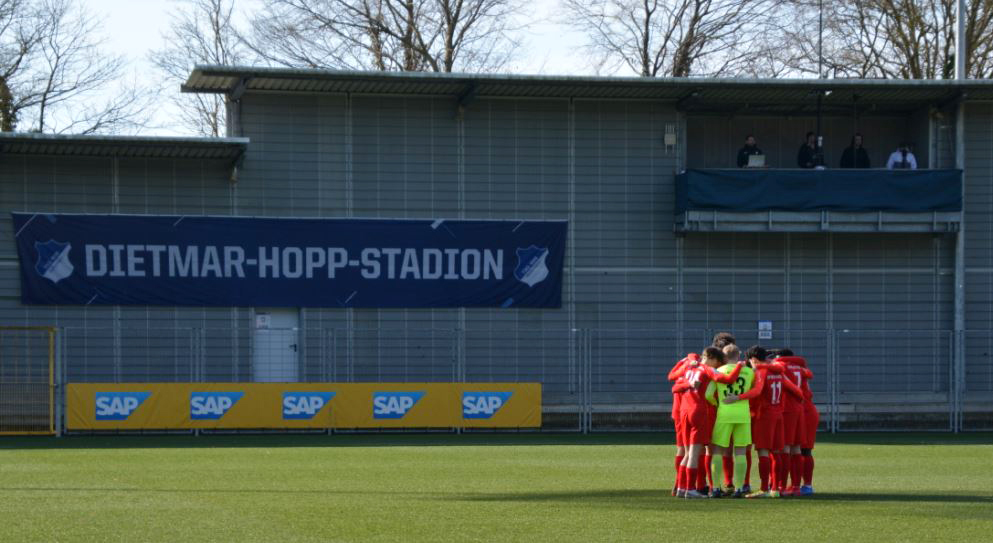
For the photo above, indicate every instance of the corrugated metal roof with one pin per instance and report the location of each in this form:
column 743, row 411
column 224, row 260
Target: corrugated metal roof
column 229, row 149
column 692, row 93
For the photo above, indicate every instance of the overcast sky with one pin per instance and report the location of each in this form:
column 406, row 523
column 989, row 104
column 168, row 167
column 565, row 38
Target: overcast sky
column 135, row 27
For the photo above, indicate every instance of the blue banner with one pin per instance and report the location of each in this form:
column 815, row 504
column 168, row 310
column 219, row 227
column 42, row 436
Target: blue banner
column 259, row 262
column 809, row 190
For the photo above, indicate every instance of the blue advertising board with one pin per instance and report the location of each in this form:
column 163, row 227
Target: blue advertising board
column 70, row 259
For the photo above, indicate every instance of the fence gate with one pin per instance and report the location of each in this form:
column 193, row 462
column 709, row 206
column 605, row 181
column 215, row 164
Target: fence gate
column 27, row 380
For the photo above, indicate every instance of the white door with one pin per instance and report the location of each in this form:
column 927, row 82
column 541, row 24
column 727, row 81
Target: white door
column 277, row 345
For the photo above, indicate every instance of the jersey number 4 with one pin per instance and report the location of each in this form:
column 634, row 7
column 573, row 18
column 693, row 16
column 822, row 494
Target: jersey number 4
column 693, row 377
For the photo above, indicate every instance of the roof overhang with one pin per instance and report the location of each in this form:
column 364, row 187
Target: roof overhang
column 222, row 149
column 741, row 95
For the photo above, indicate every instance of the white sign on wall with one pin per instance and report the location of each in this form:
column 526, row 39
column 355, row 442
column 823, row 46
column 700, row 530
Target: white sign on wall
column 263, row 321
column 765, row 329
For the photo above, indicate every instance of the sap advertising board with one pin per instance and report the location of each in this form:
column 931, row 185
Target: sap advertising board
column 165, row 406
column 224, row 261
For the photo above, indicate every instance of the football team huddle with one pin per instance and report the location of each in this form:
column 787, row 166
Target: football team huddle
column 725, row 406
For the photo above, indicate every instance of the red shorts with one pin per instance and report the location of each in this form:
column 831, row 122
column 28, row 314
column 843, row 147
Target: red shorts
column 767, row 431
column 679, row 432
column 793, row 433
column 811, row 418
column 696, row 427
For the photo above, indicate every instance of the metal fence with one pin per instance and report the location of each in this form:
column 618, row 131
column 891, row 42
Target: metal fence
column 131, row 355
column 27, row 380
column 975, row 407
column 592, row 379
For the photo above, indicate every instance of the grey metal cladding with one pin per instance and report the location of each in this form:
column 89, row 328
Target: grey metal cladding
column 624, row 188
column 620, row 300
column 978, row 199
column 517, row 159
column 296, row 164
column 405, row 157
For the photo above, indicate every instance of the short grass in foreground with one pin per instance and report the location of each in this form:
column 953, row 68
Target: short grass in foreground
column 475, row 487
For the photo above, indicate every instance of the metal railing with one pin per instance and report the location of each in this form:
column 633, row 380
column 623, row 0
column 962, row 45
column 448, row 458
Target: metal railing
column 27, row 380
column 592, row 379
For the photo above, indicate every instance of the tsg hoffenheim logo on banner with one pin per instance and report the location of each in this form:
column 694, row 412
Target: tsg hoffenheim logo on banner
column 531, row 268
column 53, row 260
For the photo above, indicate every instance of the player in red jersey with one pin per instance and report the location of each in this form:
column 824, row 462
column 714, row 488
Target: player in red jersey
column 695, row 414
column 793, row 422
column 766, row 400
column 674, row 375
column 811, row 418
column 704, row 480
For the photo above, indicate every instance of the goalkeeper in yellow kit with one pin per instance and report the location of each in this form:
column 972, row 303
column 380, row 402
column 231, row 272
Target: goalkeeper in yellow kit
column 734, row 420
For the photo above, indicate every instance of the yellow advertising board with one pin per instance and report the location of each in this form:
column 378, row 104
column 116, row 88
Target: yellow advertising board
column 517, row 406
column 167, row 406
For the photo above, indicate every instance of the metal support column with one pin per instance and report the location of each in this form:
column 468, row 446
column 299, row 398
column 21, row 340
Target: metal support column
column 460, row 361
column 959, row 362
column 571, row 239
column 833, row 337
column 349, row 213
column 58, row 391
column 588, row 384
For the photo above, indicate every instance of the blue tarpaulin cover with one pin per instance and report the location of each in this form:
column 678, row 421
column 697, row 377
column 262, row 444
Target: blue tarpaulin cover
column 811, row 190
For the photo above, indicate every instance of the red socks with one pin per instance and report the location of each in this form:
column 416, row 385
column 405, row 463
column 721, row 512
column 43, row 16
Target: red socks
column 691, row 475
column 679, row 471
column 782, row 470
column 808, row 470
column 728, row 463
column 701, row 475
column 796, row 469
column 765, row 467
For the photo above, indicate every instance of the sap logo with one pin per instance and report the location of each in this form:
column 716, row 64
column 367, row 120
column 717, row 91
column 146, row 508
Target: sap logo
column 482, row 405
column 393, row 405
column 304, row 405
column 53, row 260
column 118, row 405
column 212, row 405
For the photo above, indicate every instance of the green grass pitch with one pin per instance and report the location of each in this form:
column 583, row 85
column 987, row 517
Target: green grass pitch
column 475, row 487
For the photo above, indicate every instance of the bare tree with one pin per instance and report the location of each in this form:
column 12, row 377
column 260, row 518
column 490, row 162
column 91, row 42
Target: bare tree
column 672, row 37
column 909, row 39
column 202, row 33
column 54, row 76
column 409, row 35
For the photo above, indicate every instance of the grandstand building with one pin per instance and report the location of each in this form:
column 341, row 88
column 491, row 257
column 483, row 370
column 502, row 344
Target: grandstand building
column 882, row 279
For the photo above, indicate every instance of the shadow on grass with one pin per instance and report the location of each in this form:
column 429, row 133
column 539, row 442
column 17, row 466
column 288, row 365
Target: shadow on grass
column 646, row 498
column 412, row 439
column 656, row 495
column 216, row 491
